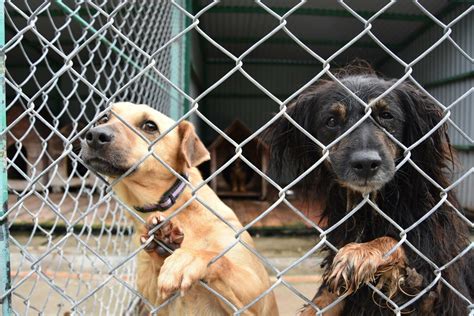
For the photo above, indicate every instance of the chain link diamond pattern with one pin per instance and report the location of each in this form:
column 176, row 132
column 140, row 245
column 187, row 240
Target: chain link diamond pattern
column 83, row 55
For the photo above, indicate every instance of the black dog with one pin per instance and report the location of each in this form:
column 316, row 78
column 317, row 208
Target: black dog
column 364, row 162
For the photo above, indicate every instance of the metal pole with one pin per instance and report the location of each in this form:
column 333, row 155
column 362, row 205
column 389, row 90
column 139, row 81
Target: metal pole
column 187, row 58
column 177, row 59
column 5, row 299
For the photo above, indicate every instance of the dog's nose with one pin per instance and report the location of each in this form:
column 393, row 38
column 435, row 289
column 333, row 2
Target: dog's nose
column 365, row 163
column 98, row 137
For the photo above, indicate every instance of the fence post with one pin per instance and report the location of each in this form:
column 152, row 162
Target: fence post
column 187, row 56
column 176, row 67
column 5, row 299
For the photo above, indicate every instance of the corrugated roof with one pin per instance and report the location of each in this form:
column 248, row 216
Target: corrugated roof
column 405, row 7
column 325, row 26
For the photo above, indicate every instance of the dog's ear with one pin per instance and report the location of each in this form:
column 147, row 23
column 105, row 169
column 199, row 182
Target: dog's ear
column 291, row 150
column 434, row 155
column 423, row 114
column 192, row 150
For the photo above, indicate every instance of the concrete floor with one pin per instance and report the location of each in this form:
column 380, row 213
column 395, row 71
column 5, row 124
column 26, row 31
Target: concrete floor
column 70, row 271
column 44, row 300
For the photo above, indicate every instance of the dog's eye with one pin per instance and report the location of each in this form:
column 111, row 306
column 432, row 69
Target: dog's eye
column 386, row 115
column 149, row 127
column 331, row 122
column 104, row 119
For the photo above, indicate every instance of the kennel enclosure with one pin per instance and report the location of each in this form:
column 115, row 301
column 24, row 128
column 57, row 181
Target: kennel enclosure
column 64, row 237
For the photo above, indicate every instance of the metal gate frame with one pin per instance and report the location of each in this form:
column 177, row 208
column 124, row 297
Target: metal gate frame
column 4, row 251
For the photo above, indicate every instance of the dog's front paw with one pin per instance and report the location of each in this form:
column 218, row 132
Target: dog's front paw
column 170, row 234
column 180, row 271
column 360, row 263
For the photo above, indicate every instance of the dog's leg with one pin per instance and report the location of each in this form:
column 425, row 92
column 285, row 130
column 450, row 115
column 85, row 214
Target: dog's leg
column 169, row 234
column 411, row 283
column 151, row 260
column 356, row 264
column 185, row 267
column 323, row 299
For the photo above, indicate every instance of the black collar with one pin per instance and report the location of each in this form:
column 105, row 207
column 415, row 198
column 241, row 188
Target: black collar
column 168, row 198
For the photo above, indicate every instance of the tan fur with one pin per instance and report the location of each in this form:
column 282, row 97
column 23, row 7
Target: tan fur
column 393, row 148
column 340, row 110
column 192, row 149
column 239, row 276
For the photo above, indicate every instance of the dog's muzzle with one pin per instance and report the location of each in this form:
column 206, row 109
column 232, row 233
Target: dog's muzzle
column 365, row 164
column 99, row 137
column 363, row 170
column 99, row 152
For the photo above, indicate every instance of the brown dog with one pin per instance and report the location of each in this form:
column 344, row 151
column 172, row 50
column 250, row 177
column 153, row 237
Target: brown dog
column 196, row 234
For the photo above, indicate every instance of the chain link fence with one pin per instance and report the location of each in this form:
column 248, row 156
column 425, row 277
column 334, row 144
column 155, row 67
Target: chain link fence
column 66, row 62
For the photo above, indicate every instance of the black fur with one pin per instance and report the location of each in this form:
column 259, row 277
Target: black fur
column 406, row 197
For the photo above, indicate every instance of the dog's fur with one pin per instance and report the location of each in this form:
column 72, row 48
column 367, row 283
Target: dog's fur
column 238, row 275
column 326, row 110
column 238, row 177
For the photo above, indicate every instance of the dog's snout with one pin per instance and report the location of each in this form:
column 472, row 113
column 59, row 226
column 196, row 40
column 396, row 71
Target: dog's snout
column 365, row 163
column 98, row 137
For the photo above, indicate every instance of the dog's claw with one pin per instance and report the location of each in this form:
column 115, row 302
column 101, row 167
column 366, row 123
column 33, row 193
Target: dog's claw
column 168, row 233
column 148, row 246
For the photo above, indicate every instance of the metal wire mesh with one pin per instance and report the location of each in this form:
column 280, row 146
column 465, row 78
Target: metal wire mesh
column 61, row 73
column 65, row 71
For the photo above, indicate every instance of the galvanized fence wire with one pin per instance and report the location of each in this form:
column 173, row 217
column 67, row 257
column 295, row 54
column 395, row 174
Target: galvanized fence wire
column 113, row 56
